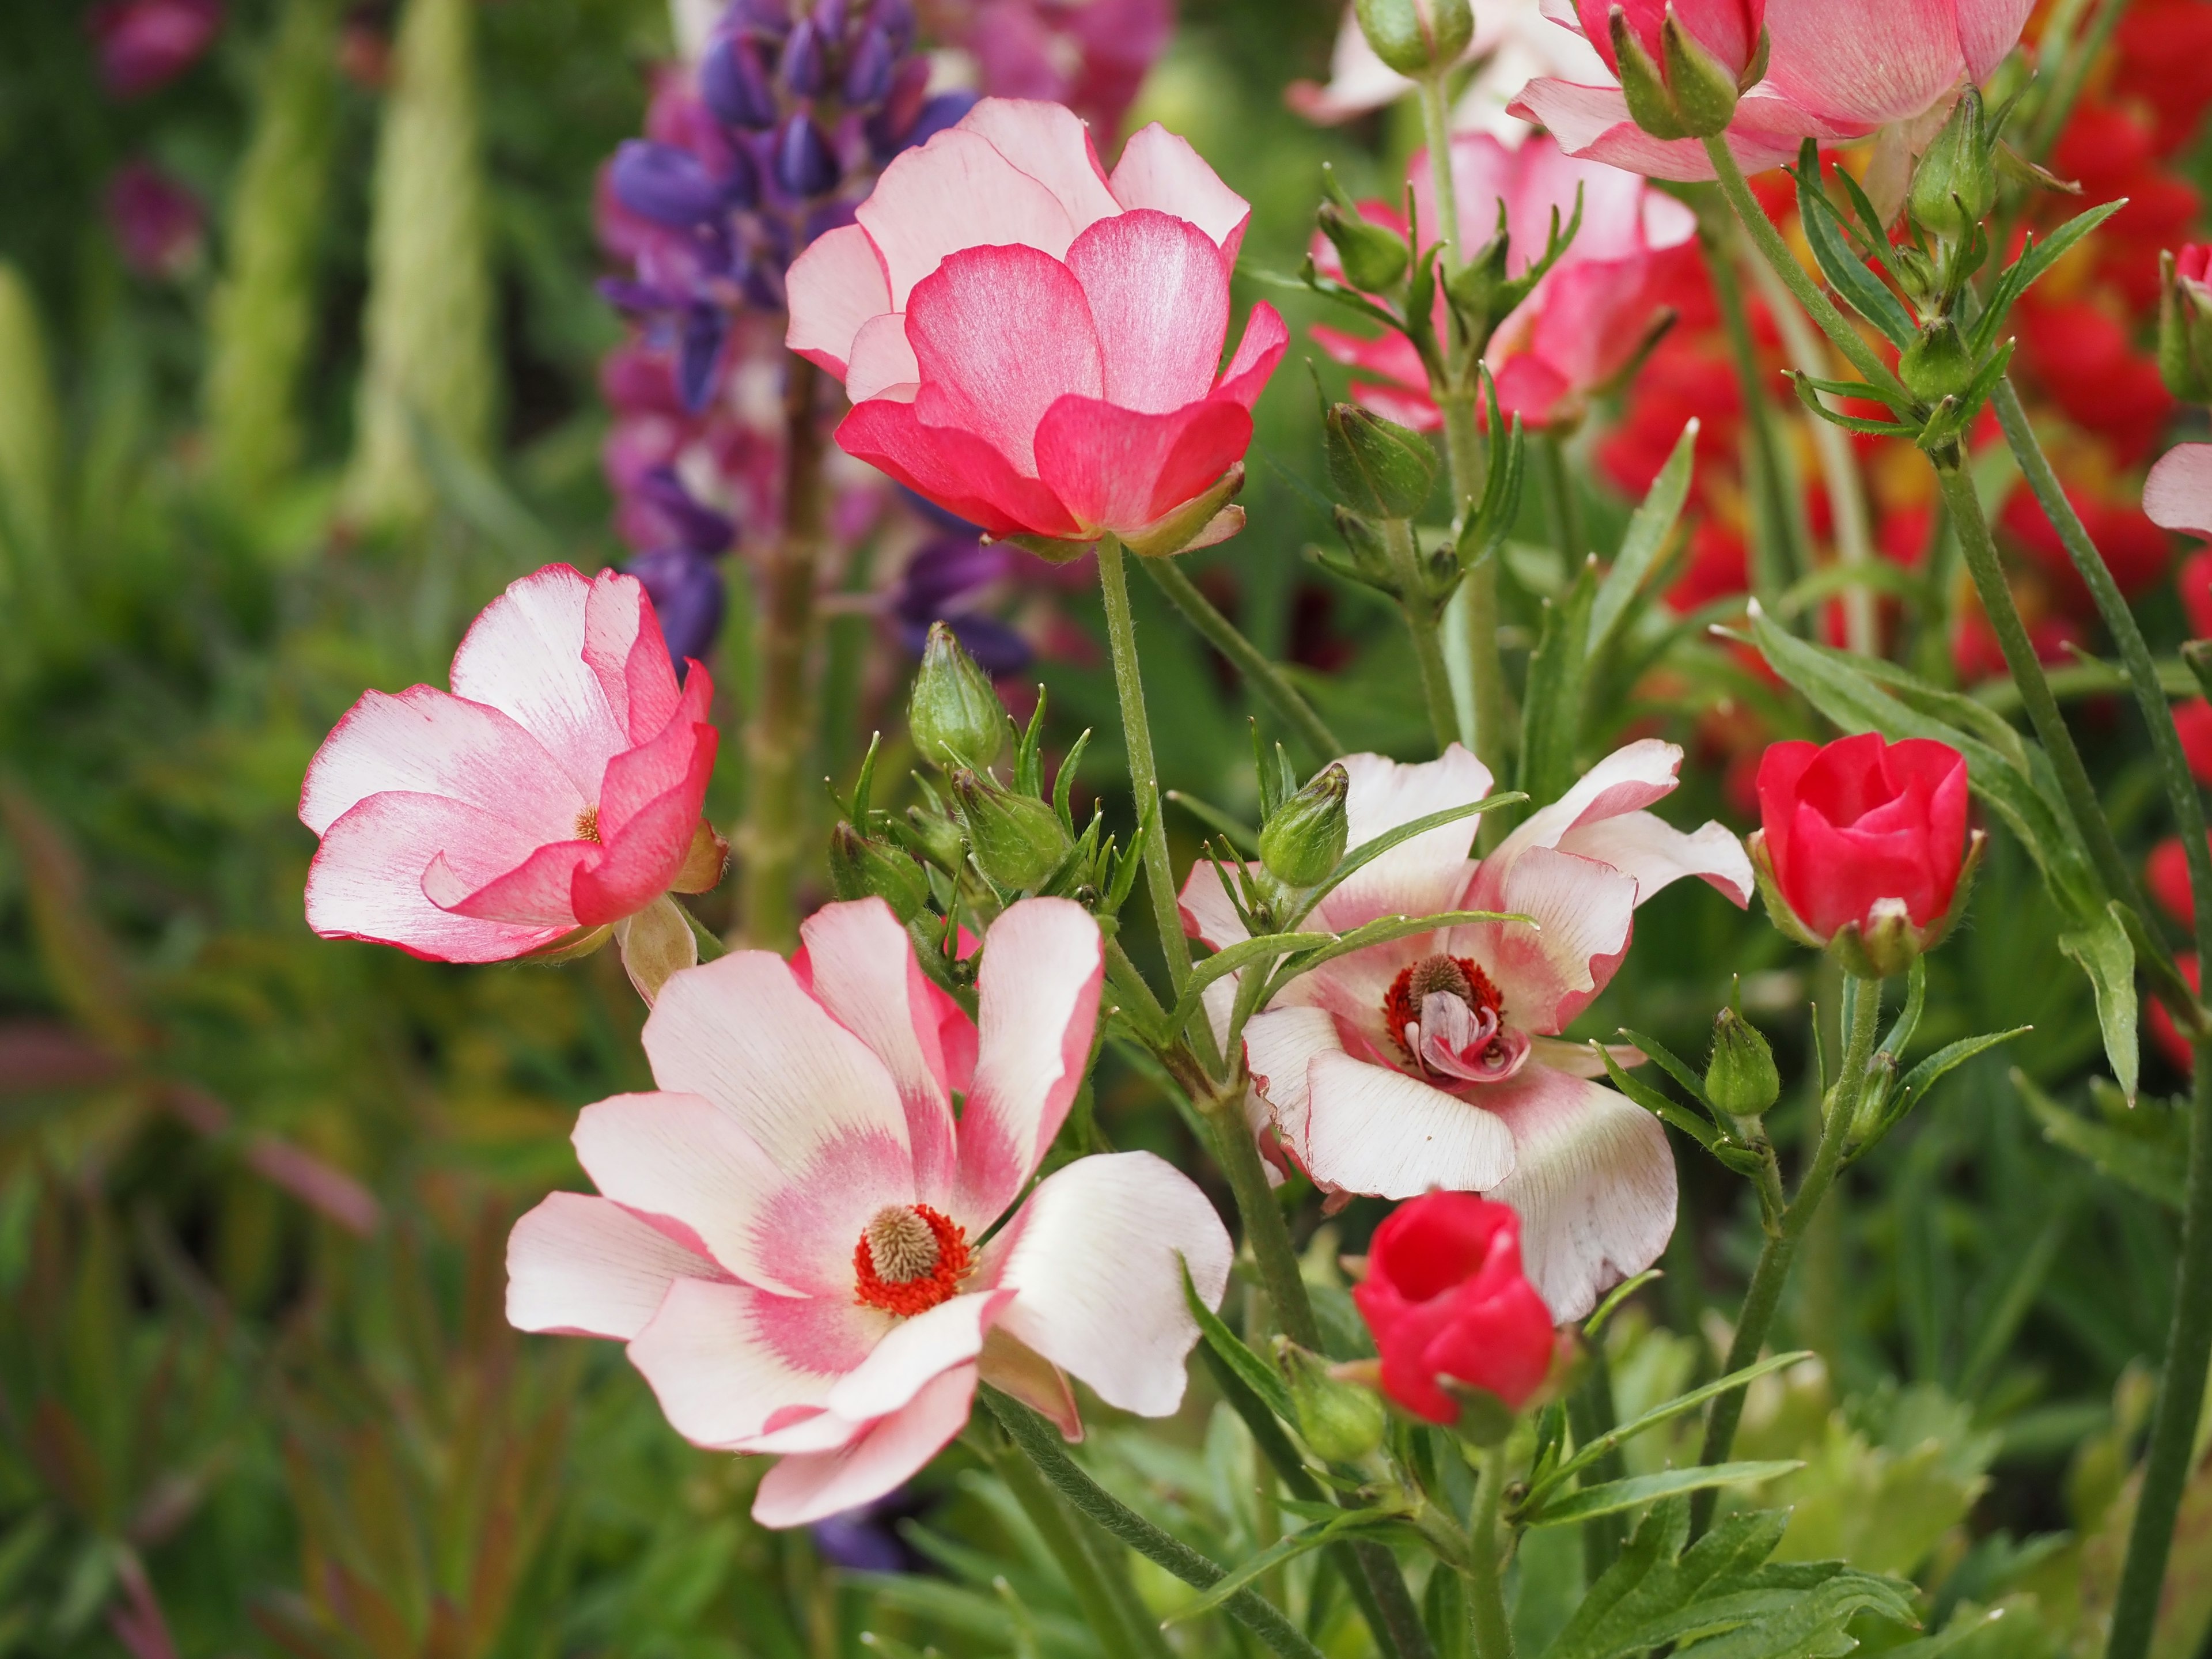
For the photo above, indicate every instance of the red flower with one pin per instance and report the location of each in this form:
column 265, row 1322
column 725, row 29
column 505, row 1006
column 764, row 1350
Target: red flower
column 2166, row 875
column 2193, row 722
column 2195, row 583
column 2171, row 1043
column 1854, row 833
column 1446, row 1298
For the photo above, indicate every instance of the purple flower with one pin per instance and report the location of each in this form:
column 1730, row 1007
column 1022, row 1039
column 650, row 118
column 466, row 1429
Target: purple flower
column 942, row 582
column 156, row 220
column 867, row 1540
column 688, row 597
column 147, row 43
column 666, row 184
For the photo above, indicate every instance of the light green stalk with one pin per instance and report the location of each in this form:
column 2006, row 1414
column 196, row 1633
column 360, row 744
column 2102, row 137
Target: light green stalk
column 30, row 452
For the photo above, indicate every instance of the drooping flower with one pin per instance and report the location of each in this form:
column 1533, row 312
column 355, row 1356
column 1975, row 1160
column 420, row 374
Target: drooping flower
column 1434, row 1060
column 1033, row 345
column 1447, row 1301
column 556, row 787
column 1514, row 43
column 1583, row 324
column 791, row 1236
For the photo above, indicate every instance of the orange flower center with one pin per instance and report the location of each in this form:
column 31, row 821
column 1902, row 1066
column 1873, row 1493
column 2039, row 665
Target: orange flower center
column 909, row 1260
column 1457, row 975
column 587, row 824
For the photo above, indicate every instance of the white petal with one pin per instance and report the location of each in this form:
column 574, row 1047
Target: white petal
column 1632, row 776
column 724, row 1359
column 2177, row 494
column 1417, row 877
column 1049, row 142
column 579, row 1266
column 1584, row 913
column 914, row 1352
column 1656, row 854
column 1158, row 169
column 803, row 1489
column 425, row 741
column 1369, row 1129
column 525, row 656
column 835, row 286
column 1279, row 1045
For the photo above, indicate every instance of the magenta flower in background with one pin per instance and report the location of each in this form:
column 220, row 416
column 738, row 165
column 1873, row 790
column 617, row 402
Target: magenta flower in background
column 144, row 45
column 158, row 223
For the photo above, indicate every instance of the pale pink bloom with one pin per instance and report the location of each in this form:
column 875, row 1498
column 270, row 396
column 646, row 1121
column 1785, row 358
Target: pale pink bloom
column 790, row 1235
column 1838, row 69
column 1587, row 319
column 1514, row 43
column 2177, row 494
column 1436, row 1061
column 1032, row 343
column 558, row 787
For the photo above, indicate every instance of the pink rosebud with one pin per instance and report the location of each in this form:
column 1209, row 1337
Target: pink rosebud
column 810, row 1257
column 158, row 223
column 1447, row 1301
column 146, row 43
column 558, row 787
column 1032, row 344
column 1727, row 30
column 1864, row 833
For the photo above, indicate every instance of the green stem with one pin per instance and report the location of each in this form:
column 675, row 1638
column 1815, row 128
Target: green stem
column 1486, row 1586
column 1040, row 1442
column 1560, row 500
column 1589, row 1410
column 1862, row 1014
column 1124, row 1628
column 1144, row 770
column 1421, row 623
column 710, row 942
column 1261, row 675
column 1776, row 251
column 2181, row 1392
column 1777, row 513
column 2073, row 74
column 1436, row 126
column 1265, row 1230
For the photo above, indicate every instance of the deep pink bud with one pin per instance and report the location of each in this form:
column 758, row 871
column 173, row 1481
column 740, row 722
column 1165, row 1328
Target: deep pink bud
column 1729, row 29
column 158, row 223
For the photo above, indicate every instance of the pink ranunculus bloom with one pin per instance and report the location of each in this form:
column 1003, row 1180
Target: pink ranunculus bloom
column 558, row 786
column 1436, row 1061
column 791, row 1234
column 1836, row 69
column 1585, row 322
column 1033, row 345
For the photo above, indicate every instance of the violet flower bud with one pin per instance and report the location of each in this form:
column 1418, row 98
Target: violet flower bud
column 902, row 105
column 699, row 353
column 733, row 85
column 895, row 19
column 804, row 69
column 805, row 163
column 868, row 76
column 688, row 520
column 666, row 184
column 688, row 597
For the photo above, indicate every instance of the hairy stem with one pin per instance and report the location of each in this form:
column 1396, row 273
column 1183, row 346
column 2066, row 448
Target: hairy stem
column 1265, row 1230
column 1421, row 623
column 1124, row 1627
column 1436, row 127
column 1265, row 678
column 1485, row 1598
column 1861, row 1013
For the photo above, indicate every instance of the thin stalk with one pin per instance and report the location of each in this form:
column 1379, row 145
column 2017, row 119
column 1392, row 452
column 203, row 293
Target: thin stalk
column 1776, row 251
column 1436, row 126
column 1125, row 1627
column 1862, row 1014
column 1040, row 1442
column 1559, row 499
column 1485, row 1583
column 2180, row 1391
column 1470, row 629
column 1778, row 513
column 2073, row 74
column 1589, row 1411
column 771, row 834
column 1421, row 623
column 1265, row 1230
column 1262, row 676
column 1144, row 770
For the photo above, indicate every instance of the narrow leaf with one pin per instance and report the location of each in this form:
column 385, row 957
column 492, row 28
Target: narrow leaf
column 2150, row 1166
column 1614, row 1496
column 1646, row 538
column 1287, row 1549
column 2104, row 951
column 1255, row 1373
column 1662, row 1413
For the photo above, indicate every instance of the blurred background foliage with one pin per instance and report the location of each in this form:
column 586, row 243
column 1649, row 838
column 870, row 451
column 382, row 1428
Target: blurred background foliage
column 256, row 1392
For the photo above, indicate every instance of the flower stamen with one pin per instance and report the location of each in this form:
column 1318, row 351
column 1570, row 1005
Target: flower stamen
column 909, row 1259
column 587, row 824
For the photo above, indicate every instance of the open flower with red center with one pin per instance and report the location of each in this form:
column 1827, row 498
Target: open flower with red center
column 556, row 787
column 1035, row 345
column 809, row 1256
column 1436, row 1061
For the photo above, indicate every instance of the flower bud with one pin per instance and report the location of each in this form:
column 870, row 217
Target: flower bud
column 1938, row 364
column 1304, row 837
column 1415, row 37
column 1379, row 467
column 868, row 76
column 1373, row 257
column 1956, row 182
column 805, row 163
column 862, row 868
column 733, row 85
column 939, row 837
column 1342, row 1421
column 664, row 184
column 804, row 67
column 1740, row 1078
column 2184, row 322
column 954, row 714
column 1017, row 840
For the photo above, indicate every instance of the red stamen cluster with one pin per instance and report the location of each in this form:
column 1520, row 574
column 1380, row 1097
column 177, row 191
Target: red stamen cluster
column 908, row 1296
column 1401, row 1003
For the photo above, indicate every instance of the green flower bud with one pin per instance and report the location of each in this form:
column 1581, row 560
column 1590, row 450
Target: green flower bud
column 1956, row 183
column 1937, row 365
column 1415, row 37
column 1381, row 468
column 1342, row 1421
column 1373, row 257
column 954, row 714
column 1702, row 88
column 1304, row 837
column 1741, row 1079
column 1017, row 840
column 862, row 868
column 939, row 836
column 2185, row 324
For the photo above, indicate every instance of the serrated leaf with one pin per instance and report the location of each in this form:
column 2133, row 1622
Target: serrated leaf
column 1614, row 1496
column 1648, row 527
column 2134, row 1160
column 1255, row 1373
column 1809, row 1625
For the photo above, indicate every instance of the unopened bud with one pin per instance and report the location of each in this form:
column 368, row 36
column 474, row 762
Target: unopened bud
column 1379, row 467
column 1017, row 840
column 1416, row 36
column 703, row 862
column 1342, row 1421
column 2184, row 322
column 1702, row 88
column 1937, row 365
column 1956, row 182
column 1304, row 838
column 733, row 85
column 861, row 868
column 954, row 714
column 1741, row 1079
column 939, row 837
column 1373, row 257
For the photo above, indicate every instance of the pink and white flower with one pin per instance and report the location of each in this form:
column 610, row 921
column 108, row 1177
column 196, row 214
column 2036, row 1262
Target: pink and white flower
column 1514, row 43
column 1435, row 1061
column 790, row 1235
column 558, row 787
column 1032, row 344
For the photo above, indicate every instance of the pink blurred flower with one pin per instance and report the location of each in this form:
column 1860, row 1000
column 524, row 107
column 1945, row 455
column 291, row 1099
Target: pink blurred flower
column 158, row 223
column 558, row 787
column 1838, row 69
column 144, row 45
column 1031, row 344
column 1435, row 1061
column 1585, row 322
column 790, row 1234
column 1091, row 55
column 2177, row 494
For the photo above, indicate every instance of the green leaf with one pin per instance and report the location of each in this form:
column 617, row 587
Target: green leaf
column 1551, row 716
column 1614, row 1496
column 1656, row 1103
column 1846, row 272
column 1367, row 851
column 1244, row 953
column 1619, row 1294
column 2104, row 951
column 1255, row 1373
column 1242, row 836
column 1947, row 1059
column 1671, row 1063
column 2035, row 261
column 1641, row 545
column 1664, row 1411
column 2152, row 1166
column 1788, row 1622
column 1287, row 1549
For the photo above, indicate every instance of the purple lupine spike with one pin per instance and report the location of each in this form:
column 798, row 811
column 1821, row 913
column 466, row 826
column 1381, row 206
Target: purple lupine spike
column 948, row 569
column 804, row 67
column 887, row 126
column 830, row 18
column 895, row 19
column 690, row 521
column 804, row 164
column 741, row 183
column 768, row 16
column 869, row 74
column 734, row 86
column 688, row 597
column 666, row 184
column 700, row 352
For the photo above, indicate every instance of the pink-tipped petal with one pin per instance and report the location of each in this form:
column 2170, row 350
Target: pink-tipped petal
column 626, row 652
column 883, row 364
column 1096, row 1258
column 579, row 1266
column 835, row 287
column 367, row 881
column 425, row 741
column 803, row 1489
column 1593, row 1181
column 956, row 191
column 2177, row 494
column 1207, row 914
column 525, row 656
column 1421, row 876
column 1369, row 1129
column 957, row 470
column 1593, row 123
column 1160, row 297
column 1266, row 340
column 1158, row 169
column 1631, row 777
column 915, row 1352
column 646, row 848
column 1656, row 854
column 1118, row 469
column 1049, row 142
column 1584, row 913
column 1038, row 997
column 1866, row 64
column 863, row 970
column 536, row 893
column 717, row 1356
